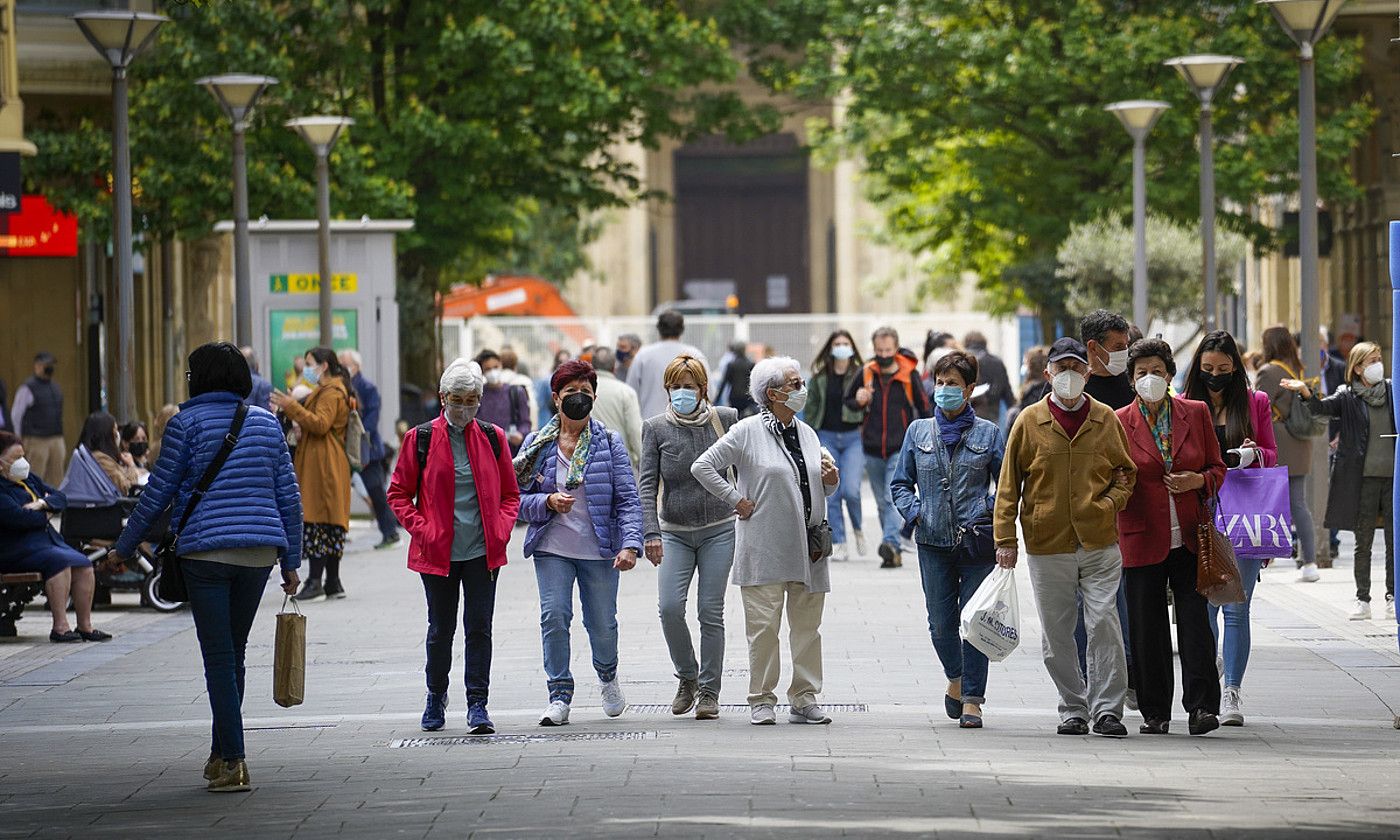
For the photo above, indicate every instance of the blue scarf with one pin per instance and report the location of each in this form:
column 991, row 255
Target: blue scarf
column 952, row 429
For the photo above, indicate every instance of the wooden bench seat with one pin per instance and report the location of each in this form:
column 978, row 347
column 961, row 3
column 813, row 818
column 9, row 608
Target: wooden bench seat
column 16, row 590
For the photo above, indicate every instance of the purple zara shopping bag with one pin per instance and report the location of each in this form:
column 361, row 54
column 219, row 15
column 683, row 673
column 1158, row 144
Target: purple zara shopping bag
column 1254, row 512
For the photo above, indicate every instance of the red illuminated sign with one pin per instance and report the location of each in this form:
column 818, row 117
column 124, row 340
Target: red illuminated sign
column 38, row 230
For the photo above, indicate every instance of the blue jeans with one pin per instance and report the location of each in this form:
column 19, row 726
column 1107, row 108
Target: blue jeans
column 372, row 474
column 850, row 459
column 948, row 585
column 224, row 599
column 472, row 580
column 881, row 472
column 597, row 591
column 708, row 552
column 1236, row 648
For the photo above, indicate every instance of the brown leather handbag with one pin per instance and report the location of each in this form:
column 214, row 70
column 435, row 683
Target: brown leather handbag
column 1217, row 573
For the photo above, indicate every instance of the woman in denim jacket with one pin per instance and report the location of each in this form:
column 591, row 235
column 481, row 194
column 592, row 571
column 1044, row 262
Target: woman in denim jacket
column 946, row 465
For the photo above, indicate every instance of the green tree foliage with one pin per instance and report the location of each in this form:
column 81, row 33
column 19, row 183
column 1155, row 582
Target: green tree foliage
column 1096, row 267
column 497, row 126
column 982, row 122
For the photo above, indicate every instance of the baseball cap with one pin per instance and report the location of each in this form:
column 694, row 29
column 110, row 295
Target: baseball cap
column 1068, row 348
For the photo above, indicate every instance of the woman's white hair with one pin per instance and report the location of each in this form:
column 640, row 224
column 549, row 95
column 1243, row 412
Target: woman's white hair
column 770, row 373
column 463, row 376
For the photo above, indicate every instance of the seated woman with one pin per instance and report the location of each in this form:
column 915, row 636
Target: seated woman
column 136, row 442
column 103, row 439
column 28, row 543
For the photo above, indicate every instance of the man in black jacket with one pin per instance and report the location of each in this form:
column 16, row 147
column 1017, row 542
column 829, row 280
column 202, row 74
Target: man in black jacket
column 1105, row 334
column 889, row 393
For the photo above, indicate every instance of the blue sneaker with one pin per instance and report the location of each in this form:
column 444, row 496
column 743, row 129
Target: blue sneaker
column 478, row 720
column 435, row 713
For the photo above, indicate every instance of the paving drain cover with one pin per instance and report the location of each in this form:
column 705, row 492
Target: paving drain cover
column 665, row 708
column 452, row 741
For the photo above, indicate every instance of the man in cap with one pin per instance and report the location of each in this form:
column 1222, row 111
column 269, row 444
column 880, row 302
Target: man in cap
column 1067, row 473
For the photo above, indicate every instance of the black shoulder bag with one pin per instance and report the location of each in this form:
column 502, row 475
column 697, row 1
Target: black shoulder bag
column 171, row 586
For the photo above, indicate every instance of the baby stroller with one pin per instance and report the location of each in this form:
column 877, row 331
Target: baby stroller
column 92, row 523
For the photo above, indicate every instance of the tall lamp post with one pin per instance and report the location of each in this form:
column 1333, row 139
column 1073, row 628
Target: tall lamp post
column 321, row 133
column 1138, row 116
column 237, row 94
column 120, row 37
column 1206, row 74
column 1306, row 21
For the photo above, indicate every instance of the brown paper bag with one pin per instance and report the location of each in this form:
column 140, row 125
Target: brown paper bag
column 289, row 658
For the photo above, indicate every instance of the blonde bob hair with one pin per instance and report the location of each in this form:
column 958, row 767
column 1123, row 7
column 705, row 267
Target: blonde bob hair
column 679, row 367
column 1358, row 354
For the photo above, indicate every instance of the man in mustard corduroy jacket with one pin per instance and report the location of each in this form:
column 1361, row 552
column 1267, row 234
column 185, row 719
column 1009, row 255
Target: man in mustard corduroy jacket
column 1067, row 473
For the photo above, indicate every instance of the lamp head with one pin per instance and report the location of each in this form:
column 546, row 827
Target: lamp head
column 1205, row 73
column 320, row 132
column 1138, row 115
column 236, row 93
column 119, row 36
column 1305, row 21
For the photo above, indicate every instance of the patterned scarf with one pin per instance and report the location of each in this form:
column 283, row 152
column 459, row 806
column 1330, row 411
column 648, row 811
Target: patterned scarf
column 1161, row 427
column 701, row 417
column 529, row 457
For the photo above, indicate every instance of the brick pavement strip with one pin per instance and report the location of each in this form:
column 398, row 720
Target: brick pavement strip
column 114, row 747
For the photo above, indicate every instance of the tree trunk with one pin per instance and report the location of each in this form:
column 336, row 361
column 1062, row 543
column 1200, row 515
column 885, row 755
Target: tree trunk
column 419, row 352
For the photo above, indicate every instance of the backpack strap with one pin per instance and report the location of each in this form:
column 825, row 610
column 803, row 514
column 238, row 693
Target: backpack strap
column 490, row 432
column 423, row 437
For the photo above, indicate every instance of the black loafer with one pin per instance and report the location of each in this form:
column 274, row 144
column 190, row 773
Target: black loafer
column 95, row 635
column 65, row 638
column 1202, row 722
column 1154, row 727
column 1073, row 726
column 1110, row 726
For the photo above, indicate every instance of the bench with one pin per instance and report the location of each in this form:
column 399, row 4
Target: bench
column 16, row 590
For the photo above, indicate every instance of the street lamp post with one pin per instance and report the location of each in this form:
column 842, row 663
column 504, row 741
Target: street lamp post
column 1306, row 21
column 1206, row 74
column 321, row 133
column 1138, row 116
column 120, row 37
column 237, row 94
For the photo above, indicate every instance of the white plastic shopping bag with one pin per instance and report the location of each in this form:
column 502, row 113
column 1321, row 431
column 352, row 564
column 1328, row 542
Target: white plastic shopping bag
column 991, row 620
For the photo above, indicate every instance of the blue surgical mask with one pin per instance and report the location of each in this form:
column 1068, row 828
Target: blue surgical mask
column 684, row 401
column 842, row 351
column 311, row 374
column 948, row 397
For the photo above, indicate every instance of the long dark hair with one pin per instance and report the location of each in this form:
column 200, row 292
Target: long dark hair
column 1279, row 346
column 326, row 356
column 100, row 435
column 822, row 362
column 1238, row 423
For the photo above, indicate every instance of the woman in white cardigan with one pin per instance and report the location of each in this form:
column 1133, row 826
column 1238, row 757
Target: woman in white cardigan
column 783, row 478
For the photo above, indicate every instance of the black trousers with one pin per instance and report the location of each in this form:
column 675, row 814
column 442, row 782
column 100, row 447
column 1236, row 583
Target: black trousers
column 471, row 582
column 1149, row 635
column 372, row 474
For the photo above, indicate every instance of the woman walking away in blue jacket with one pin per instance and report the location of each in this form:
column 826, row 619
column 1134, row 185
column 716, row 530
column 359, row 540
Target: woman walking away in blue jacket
column 248, row 521
column 580, row 499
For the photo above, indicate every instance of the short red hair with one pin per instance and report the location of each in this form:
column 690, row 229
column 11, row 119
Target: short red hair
column 572, row 371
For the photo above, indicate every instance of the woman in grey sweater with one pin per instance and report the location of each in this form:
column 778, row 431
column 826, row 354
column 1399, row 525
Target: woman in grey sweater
column 693, row 534
column 782, row 476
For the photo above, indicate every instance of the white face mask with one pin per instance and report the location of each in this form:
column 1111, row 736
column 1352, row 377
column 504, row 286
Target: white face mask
column 1068, row 385
column 1373, row 373
column 1117, row 362
column 19, row 470
column 1151, row 387
column 796, row 401
column 495, row 376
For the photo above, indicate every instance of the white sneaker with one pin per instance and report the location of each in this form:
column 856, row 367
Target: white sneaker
column 613, row 702
column 1308, row 574
column 556, row 715
column 1390, row 607
column 811, row 713
column 862, row 548
column 762, row 715
column 1360, row 611
column 838, row 553
column 1231, row 711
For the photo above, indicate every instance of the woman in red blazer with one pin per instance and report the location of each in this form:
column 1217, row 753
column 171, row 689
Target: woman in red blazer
column 1172, row 442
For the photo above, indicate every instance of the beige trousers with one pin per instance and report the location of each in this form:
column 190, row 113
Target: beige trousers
column 47, row 458
column 763, row 618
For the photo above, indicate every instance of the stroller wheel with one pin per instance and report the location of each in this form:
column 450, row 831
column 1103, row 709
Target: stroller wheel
column 150, row 594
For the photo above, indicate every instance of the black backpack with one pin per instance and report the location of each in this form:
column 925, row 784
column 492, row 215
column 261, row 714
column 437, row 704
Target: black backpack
column 425, row 438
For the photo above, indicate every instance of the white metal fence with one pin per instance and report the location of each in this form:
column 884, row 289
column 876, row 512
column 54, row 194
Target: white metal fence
column 537, row 339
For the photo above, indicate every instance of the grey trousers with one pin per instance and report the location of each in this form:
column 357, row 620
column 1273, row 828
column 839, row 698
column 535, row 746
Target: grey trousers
column 707, row 553
column 1094, row 575
column 1375, row 501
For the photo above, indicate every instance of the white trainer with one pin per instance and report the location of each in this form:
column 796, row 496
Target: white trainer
column 762, row 715
column 1308, row 574
column 613, row 702
column 862, row 547
column 556, row 715
column 811, row 713
column 1231, row 709
column 1360, row 611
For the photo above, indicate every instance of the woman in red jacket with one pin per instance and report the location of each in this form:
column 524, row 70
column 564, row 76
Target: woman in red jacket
column 459, row 507
column 1172, row 442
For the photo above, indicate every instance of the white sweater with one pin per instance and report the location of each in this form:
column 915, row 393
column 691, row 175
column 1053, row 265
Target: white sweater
column 771, row 545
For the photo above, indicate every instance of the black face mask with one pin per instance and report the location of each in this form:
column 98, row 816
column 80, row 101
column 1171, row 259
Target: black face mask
column 887, row 361
column 48, row 370
column 1217, row 382
column 576, row 406
column 139, row 450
